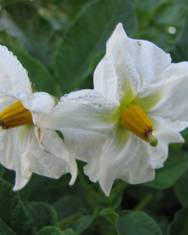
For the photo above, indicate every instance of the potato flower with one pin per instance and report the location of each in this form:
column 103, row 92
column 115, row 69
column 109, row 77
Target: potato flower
column 25, row 147
column 122, row 128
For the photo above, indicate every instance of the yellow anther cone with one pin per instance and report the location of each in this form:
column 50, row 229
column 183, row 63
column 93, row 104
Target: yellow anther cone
column 15, row 115
column 136, row 120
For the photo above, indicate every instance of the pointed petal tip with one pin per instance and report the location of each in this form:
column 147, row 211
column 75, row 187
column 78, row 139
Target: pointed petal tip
column 120, row 28
column 105, row 190
column 118, row 37
column 119, row 25
column 106, row 186
column 20, row 183
column 107, row 193
column 73, row 172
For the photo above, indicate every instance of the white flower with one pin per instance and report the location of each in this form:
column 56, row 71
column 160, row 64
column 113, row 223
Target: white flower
column 25, row 147
column 139, row 105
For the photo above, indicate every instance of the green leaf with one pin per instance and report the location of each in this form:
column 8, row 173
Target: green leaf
column 5, row 2
column 38, row 73
column 69, row 205
column 172, row 13
column 50, row 230
column 23, row 21
column 5, row 229
column 24, row 217
column 83, row 223
column 106, row 220
column 174, row 168
column 180, row 50
column 109, row 214
column 134, row 223
column 148, row 6
column 42, row 214
column 180, row 225
column 84, row 42
column 156, row 18
column 13, row 211
column 78, row 222
column 181, row 189
column 102, row 218
column 69, row 232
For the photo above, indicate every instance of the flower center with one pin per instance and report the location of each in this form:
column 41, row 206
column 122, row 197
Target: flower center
column 15, row 115
column 135, row 119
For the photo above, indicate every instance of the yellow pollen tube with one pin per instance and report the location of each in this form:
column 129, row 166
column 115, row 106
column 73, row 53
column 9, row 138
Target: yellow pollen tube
column 135, row 119
column 15, row 115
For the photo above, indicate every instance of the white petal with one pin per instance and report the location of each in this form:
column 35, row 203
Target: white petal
column 11, row 156
column 21, row 152
column 83, row 144
column 85, row 118
column 173, row 104
column 166, row 132
column 54, row 145
column 150, row 61
column 139, row 169
column 121, row 61
column 105, row 80
column 41, row 102
column 84, row 109
column 50, row 157
column 128, row 64
column 14, row 79
column 120, row 158
column 11, row 149
column 20, row 181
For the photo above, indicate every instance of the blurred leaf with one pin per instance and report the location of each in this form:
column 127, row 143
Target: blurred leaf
column 181, row 189
column 5, row 229
column 23, row 21
column 83, row 223
column 105, row 219
column 148, row 6
column 5, row 2
column 179, row 225
column 47, row 189
column 42, row 214
column 93, row 196
column 69, row 205
column 172, row 13
column 161, row 21
column 110, row 215
column 69, row 232
column 174, row 168
column 180, row 50
column 13, row 210
column 134, row 223
column 50, row 230
column 24, row 218
column 40, row 77
column 59, row 13
column 38, row 73
column 86, row 39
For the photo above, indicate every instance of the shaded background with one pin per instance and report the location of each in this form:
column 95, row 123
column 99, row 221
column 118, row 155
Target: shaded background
column 60, row 42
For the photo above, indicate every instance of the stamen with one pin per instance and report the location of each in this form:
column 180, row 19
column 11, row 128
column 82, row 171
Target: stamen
column 135, row 119
column 152, row 139
column 15, row 115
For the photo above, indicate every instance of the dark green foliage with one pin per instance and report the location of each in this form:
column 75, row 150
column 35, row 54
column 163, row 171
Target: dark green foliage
column 180, row 225
column 60, row 42
column 76, row 55
column 137, row 223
